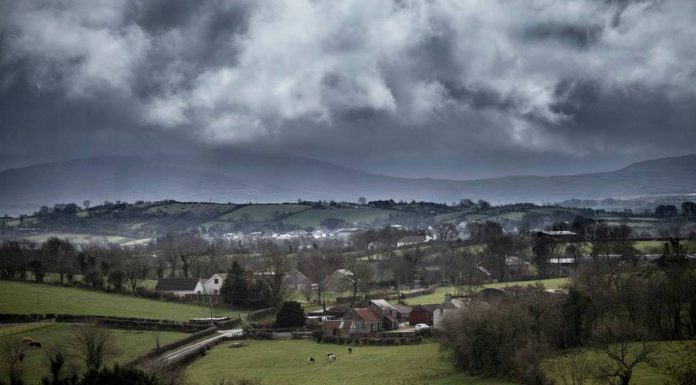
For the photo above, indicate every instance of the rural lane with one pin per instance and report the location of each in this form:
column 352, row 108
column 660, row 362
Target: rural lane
column 174, row 356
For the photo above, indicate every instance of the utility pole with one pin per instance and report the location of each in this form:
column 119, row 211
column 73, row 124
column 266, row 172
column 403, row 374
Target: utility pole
column 211, row 309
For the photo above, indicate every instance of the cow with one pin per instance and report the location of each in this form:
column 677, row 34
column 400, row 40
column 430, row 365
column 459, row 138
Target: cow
column 310, row 360
column 35, row 344
column 329, row 354
column 350, row 350
column 332, row 358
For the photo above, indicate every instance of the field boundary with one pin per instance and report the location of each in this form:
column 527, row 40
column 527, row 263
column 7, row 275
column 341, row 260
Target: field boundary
column 26, row 327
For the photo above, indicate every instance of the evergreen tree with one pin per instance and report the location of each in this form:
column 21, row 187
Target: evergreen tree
column 290, row 314
column 235, row 287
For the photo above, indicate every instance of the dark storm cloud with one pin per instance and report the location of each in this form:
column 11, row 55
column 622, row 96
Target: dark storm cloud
column 441, row 88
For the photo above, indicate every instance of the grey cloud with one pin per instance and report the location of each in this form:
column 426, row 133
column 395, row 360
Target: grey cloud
column 377, row 85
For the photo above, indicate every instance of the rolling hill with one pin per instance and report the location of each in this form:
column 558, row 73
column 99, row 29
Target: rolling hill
column 250, row 177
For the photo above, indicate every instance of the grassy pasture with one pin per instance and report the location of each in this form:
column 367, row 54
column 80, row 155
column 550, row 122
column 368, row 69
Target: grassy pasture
column 81, row 238
column 193, row 208
column 314, row 217
column 263, row 212
column 26, row 298
column 439, row 295
column 285, row 362
column 129, row 344
column 642, row 375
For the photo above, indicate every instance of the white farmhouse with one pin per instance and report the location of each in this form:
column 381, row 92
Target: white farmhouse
column 179, row 286
column 214, row 284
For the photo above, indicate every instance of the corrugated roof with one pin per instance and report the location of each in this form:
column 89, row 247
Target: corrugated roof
column 367, row 314
column 176, row 284
column 382, row 304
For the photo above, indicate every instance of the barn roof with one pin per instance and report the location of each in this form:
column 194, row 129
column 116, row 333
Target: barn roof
column 367, row 314
column 176, row 284
column 382, row 304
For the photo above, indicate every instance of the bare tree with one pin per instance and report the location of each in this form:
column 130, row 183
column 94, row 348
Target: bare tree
column 134, row 270
column 94, row 345
column 13, row 350
column 275, row 269
column 360, row 279
column 445, row 232
column 156, row 337
column 624, row 347
column 56, row 361
column 572, row 370
column 622, row 359
column 317, row 266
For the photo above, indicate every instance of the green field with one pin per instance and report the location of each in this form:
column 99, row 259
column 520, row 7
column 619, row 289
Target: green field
column 439, row 295
column 84, row 238
column 354, row 216
column 285, row 362
column 266, row 212
column 129, row 343
column 642, row 375
column 26, row 298
column 173, row 208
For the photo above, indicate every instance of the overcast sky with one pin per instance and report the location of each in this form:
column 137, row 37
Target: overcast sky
column 457, row 89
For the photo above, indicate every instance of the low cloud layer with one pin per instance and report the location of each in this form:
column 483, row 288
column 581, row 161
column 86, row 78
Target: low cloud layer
column 438, row 88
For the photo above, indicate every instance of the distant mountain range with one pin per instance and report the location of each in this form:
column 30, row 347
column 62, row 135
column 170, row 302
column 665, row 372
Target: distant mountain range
column 249, row 177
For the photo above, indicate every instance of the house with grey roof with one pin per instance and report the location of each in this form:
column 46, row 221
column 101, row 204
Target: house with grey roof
column 179, row 286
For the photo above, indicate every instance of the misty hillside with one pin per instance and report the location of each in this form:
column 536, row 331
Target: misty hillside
column 245, row 177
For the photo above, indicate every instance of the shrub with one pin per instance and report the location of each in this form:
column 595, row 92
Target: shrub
column 290, row 314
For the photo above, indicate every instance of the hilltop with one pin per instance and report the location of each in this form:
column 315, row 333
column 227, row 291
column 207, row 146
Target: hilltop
column 251, row 177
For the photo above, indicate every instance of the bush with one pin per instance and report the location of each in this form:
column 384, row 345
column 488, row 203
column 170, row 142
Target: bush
column 118, row 375
column 492, row 338
column 290, row 314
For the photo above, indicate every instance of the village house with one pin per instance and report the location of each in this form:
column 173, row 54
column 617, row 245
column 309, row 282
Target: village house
column 339, row 280
column 517, row 267
column 179, row 286
column 449, row 307
column 213, row 284
column 388, row 312
column 297, row 281
column 341, row 327
column 364, row 321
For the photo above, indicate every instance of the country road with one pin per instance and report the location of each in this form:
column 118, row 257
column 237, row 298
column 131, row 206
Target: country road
column 176, row 354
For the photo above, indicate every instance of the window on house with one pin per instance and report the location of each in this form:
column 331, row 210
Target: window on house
column 216, row 280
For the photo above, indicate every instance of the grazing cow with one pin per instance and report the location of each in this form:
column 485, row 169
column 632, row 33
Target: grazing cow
column 35, row 344
column 332, row 358
column 310, row 360
column 329, row 354
column 350, row 350
column 26, row 340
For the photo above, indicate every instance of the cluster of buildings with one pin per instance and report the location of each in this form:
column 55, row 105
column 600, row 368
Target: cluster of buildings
column 182, row 287
column 377, row 317
column 343, row 234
